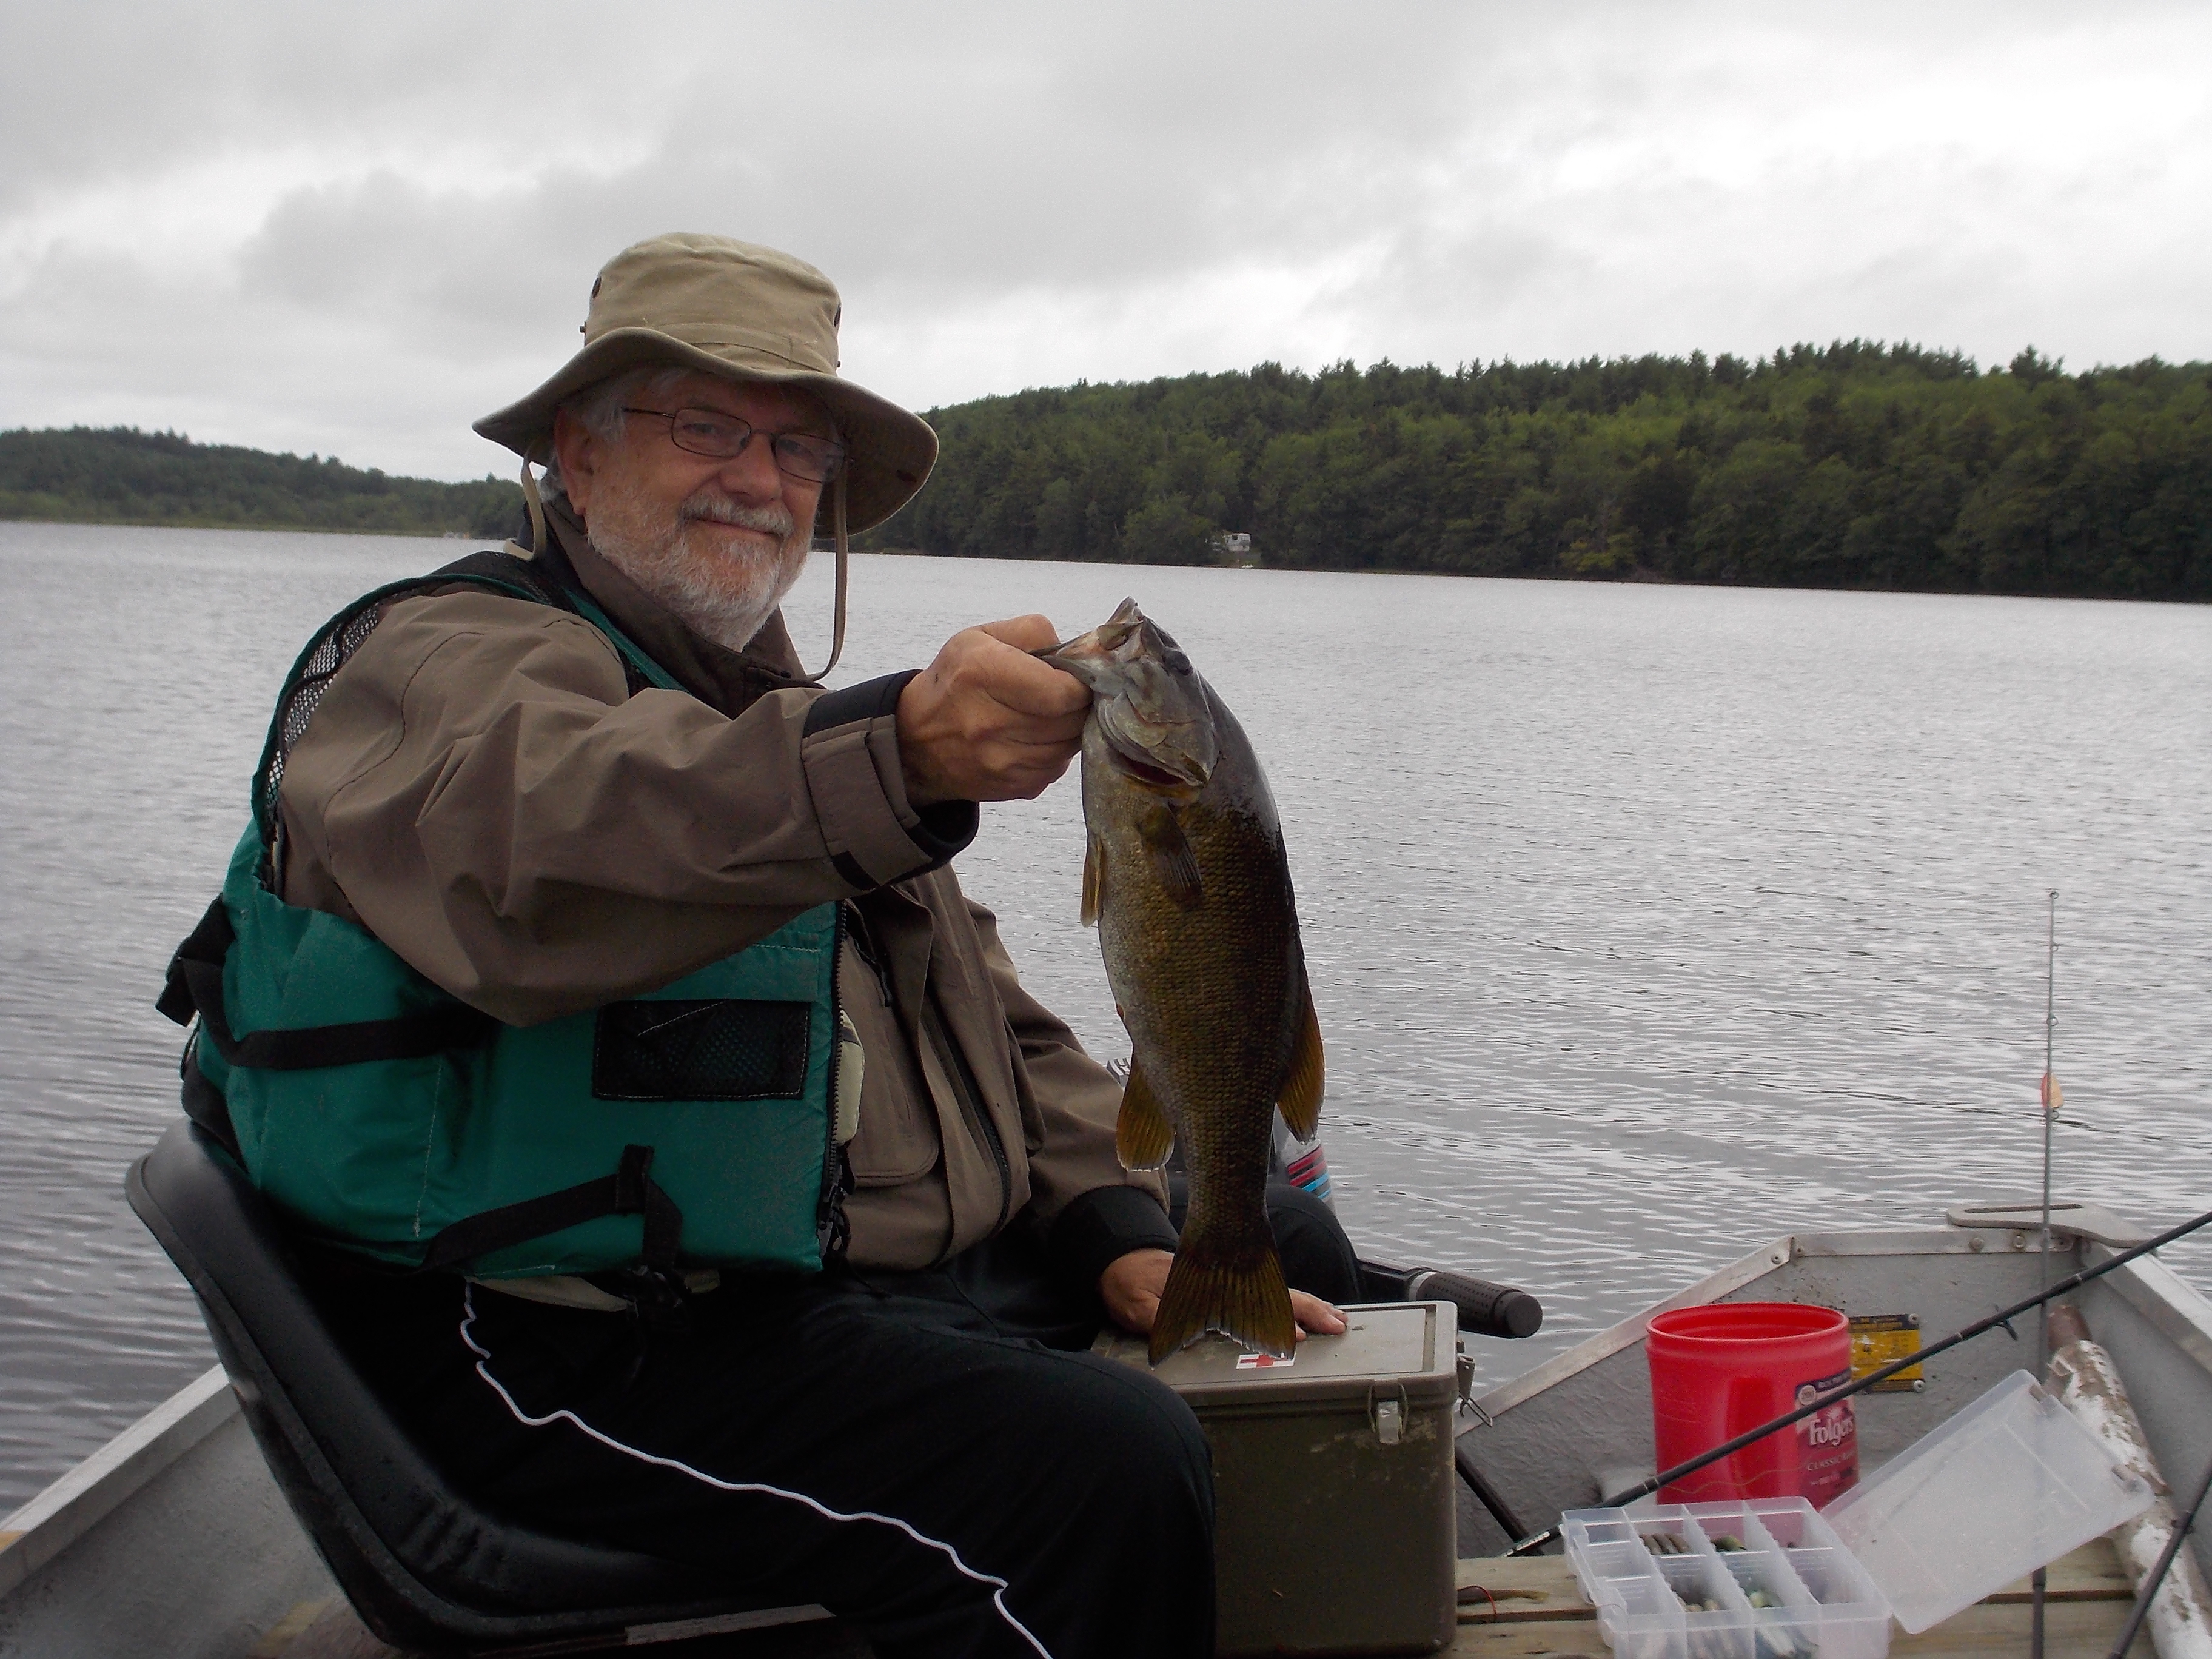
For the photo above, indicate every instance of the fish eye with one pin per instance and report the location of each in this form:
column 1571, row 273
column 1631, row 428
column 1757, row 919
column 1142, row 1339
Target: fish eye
column 1176, row 662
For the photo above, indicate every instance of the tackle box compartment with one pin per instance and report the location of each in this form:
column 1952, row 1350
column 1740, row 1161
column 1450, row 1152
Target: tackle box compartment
column 1333, row 1507
column 1678, row 1581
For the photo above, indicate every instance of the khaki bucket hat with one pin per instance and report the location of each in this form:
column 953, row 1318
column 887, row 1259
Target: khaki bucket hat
column 732, row 308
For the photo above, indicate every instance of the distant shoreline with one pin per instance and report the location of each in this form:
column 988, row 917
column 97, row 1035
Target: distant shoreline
column 1643, row 579
column 234, row 523
column 121, row 476
column 1854, row 466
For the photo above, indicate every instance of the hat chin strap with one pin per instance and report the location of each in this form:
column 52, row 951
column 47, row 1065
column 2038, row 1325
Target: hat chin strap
column 837, row 529
column 537, row 510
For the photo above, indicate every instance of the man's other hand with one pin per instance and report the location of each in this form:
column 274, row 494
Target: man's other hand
column 988, row 722
column 1132, row 1283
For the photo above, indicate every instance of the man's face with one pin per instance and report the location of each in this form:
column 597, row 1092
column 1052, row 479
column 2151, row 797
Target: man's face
column 718, row 542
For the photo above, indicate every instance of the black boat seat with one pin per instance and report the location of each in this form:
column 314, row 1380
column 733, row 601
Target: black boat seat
column 424, row 1567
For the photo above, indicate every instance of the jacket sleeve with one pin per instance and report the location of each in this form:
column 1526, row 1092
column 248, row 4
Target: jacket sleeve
column 1090, row 1209
column 480, row 790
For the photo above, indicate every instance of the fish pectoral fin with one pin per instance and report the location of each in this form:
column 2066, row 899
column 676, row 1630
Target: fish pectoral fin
column 1143, row 1137
column 1173, row 861
column 1241, row 1295
column 1094, row 879
column 1300, row 1100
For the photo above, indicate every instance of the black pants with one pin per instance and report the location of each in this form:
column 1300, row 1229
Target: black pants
column 931, row 1456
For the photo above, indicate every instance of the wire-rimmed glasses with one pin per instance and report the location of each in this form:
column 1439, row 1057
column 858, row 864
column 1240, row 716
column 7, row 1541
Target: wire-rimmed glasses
column 723, row 437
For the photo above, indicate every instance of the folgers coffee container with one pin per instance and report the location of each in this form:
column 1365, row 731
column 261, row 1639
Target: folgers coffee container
column 1721, row 1370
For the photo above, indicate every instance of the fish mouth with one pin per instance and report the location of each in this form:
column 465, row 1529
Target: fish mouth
column 1147, row 701
column 1095, row 656
column 1158, row 758
column 1152, row 777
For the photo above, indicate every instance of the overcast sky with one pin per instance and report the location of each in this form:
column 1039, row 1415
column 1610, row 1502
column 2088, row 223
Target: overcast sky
column 352, row 230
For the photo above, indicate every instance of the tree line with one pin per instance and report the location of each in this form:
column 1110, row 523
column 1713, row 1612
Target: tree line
column 1854, row 465
column 120, row 475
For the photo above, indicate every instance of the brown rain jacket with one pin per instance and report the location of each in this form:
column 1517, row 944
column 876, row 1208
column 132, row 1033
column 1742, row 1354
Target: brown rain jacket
column 479, row 788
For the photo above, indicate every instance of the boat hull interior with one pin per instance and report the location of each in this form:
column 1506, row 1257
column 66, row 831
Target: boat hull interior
column 174, row 1539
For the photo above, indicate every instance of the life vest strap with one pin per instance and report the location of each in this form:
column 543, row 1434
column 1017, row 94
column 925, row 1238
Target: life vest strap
column 194, row 985
column 630, row 1190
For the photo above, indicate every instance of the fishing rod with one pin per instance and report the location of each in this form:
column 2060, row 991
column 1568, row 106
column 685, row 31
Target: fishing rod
column 2156, row 1577
column 2004, row 1317
column 2039, row 1581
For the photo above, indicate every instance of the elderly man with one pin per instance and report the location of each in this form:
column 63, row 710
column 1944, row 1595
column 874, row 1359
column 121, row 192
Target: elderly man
column 751, row 1213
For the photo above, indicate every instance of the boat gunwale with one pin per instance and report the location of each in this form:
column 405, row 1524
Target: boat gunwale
column 88, row 1492
column 2177, row 1310
column 1590, row 1351
column 2174, row 1308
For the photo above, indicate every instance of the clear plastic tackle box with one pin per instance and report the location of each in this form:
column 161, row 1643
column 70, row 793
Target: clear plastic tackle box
column 1758, row 1578
column 2006, row 1486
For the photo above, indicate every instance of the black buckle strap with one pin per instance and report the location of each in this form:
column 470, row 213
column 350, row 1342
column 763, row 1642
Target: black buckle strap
column 194, row 984
column 630, row 1190
column 209, row 942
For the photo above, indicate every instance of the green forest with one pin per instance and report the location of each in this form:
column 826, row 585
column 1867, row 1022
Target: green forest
column 123, row 475
column 1855, row 465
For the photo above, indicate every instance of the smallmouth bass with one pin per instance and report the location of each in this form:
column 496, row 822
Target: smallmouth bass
column 1184, row 874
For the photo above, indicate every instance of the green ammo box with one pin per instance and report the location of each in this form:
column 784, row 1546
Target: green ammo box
column 1333, row 1482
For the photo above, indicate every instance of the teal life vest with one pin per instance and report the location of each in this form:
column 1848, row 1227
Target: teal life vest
column 695, row 1126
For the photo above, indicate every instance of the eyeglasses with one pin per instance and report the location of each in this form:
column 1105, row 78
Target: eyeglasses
column 710, row 432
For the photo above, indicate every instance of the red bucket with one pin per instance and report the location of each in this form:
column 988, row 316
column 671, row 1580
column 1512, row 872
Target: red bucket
column 1720, row 1369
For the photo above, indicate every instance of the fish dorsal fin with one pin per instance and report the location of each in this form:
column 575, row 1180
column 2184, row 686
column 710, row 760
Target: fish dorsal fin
column 1094, row 879
column 1173, row 861
column 1300, row 1100
column 1143, row 1136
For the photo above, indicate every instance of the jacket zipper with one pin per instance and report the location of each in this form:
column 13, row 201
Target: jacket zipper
column 971, row 1106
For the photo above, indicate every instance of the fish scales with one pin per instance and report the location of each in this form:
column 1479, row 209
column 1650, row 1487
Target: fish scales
column 1186, row 876
column 1211, row 997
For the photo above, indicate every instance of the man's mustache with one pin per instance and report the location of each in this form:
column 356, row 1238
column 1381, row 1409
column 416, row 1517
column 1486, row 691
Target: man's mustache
column 716, row 508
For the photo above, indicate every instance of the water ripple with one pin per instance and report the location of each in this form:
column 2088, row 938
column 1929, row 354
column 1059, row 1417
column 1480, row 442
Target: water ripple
column 1645, row 924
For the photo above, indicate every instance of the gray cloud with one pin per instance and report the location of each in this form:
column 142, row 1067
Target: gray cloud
column 270, row 225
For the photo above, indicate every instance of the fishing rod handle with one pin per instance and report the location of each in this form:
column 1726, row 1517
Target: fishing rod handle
column 1485, row 1309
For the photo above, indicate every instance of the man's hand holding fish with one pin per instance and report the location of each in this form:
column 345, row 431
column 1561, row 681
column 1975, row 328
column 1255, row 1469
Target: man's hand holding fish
column 987, row 721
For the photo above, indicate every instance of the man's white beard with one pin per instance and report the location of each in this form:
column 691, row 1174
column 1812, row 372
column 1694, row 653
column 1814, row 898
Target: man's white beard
column 719, row 593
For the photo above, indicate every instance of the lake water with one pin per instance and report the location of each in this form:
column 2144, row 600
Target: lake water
column 1645, row 923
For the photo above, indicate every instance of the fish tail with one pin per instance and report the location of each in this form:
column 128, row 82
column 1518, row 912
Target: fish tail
column 1240, row 1292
